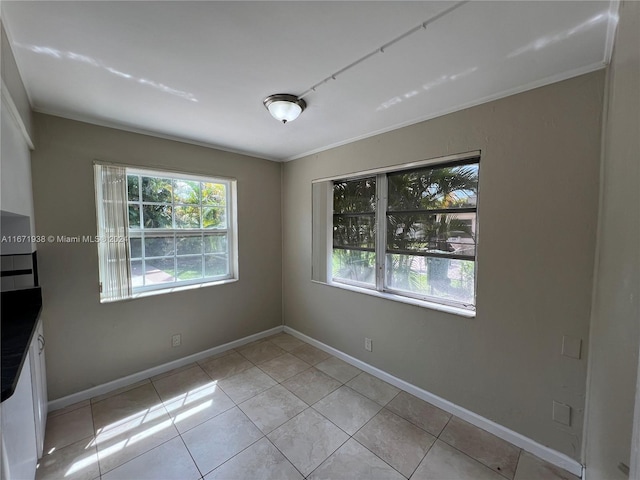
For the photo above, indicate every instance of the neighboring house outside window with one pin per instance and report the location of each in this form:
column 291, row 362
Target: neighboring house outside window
column 405, row 231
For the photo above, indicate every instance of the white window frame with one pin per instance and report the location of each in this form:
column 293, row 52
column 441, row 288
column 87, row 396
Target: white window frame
column 381, row 289
column 229, row 230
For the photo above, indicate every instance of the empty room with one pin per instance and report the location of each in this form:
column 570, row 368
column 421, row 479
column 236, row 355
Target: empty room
column 324, row 240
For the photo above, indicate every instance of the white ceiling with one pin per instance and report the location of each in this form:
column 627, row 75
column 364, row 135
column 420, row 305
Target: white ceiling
column 198, row 71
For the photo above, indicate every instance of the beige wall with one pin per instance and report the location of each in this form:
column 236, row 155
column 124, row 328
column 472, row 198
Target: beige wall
column 615, row 330
column 89, row 343
column 538, row 211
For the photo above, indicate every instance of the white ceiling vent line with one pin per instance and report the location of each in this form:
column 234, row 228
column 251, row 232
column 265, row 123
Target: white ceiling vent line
column 382, row 48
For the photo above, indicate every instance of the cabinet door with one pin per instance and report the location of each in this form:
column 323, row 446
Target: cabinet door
column 18, row 427
column 44, row 398
column 39, row 385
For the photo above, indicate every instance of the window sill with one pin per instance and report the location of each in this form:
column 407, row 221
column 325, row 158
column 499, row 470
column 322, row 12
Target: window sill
column 161, row 291
column 181, row 288
column 463, row 312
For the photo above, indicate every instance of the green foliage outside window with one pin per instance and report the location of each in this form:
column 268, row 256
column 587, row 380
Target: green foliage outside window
column 430, row 230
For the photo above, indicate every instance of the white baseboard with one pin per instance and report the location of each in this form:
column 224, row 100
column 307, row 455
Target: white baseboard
column 556, row 458
column 552, row 456
column 137, row 377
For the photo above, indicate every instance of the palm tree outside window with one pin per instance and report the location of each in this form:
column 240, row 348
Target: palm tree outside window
column 410, row 232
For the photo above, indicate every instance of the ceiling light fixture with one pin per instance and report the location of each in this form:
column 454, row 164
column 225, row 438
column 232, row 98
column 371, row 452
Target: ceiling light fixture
column 284, row 107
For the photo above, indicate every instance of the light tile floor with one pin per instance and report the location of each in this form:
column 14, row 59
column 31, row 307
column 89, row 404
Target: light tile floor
column 275, row 409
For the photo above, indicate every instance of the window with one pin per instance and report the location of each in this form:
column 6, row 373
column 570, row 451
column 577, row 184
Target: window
column 179, row 231
column 354, row 231
column 408, row 232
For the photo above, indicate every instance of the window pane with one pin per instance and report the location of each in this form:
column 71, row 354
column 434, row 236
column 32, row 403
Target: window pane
column 133, row 189
column 429, row 188
column 158, row 246
column 214, row 194
column 168, row 214
column 156, row 189
column 136, row 247
column 216, row 243
column 435, row 277
column 189, row 267
column 216, row 265
column 159, row 270
column 187, row 217
column 134, row 216
column 354, row 231
column 354, row 265
column 137, row 276
column 354, row 196
column 214, row 217
column 186, row 191
column 157, row 216
column 189, row 244
column 441, row 233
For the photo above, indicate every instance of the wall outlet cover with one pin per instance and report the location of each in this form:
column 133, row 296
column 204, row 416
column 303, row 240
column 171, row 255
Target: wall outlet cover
column 571, row 347
column 561, row 413
column 176, row 340
column 368, row 344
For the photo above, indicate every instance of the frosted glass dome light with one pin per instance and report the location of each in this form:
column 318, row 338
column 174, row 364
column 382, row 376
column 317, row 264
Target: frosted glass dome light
column 284, row 107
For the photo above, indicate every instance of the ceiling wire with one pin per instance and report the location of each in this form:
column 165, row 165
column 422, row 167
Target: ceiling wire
column 382, row 48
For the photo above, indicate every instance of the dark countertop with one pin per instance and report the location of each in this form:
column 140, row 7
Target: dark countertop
column 20, row 313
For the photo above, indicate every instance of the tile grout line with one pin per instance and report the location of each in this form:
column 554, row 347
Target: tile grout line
column 95, row 437
column 478, row 461
column 308, row 406
column 281, row 452
column 517, row 463
column 466, row 454
column 238, row 453
column 319, row 413
column 384, row 407
column 190, row 455
column 422, row 459
column 350, row 437
column 437, row 437
column 153, row 448
column 235, row 405
column 315, row 410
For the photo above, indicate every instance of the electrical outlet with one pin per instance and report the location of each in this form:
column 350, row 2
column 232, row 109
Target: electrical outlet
column 176, row 340
column 367, row 344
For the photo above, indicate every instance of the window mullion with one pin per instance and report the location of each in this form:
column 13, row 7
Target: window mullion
column 381, row 230
column 142, row 233
column 144, row 261
column 202, row 257
column 175, row 257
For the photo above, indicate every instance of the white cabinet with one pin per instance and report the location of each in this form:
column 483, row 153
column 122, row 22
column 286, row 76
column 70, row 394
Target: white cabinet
column 19, row 453
column 39, row 386
column 24, row 415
